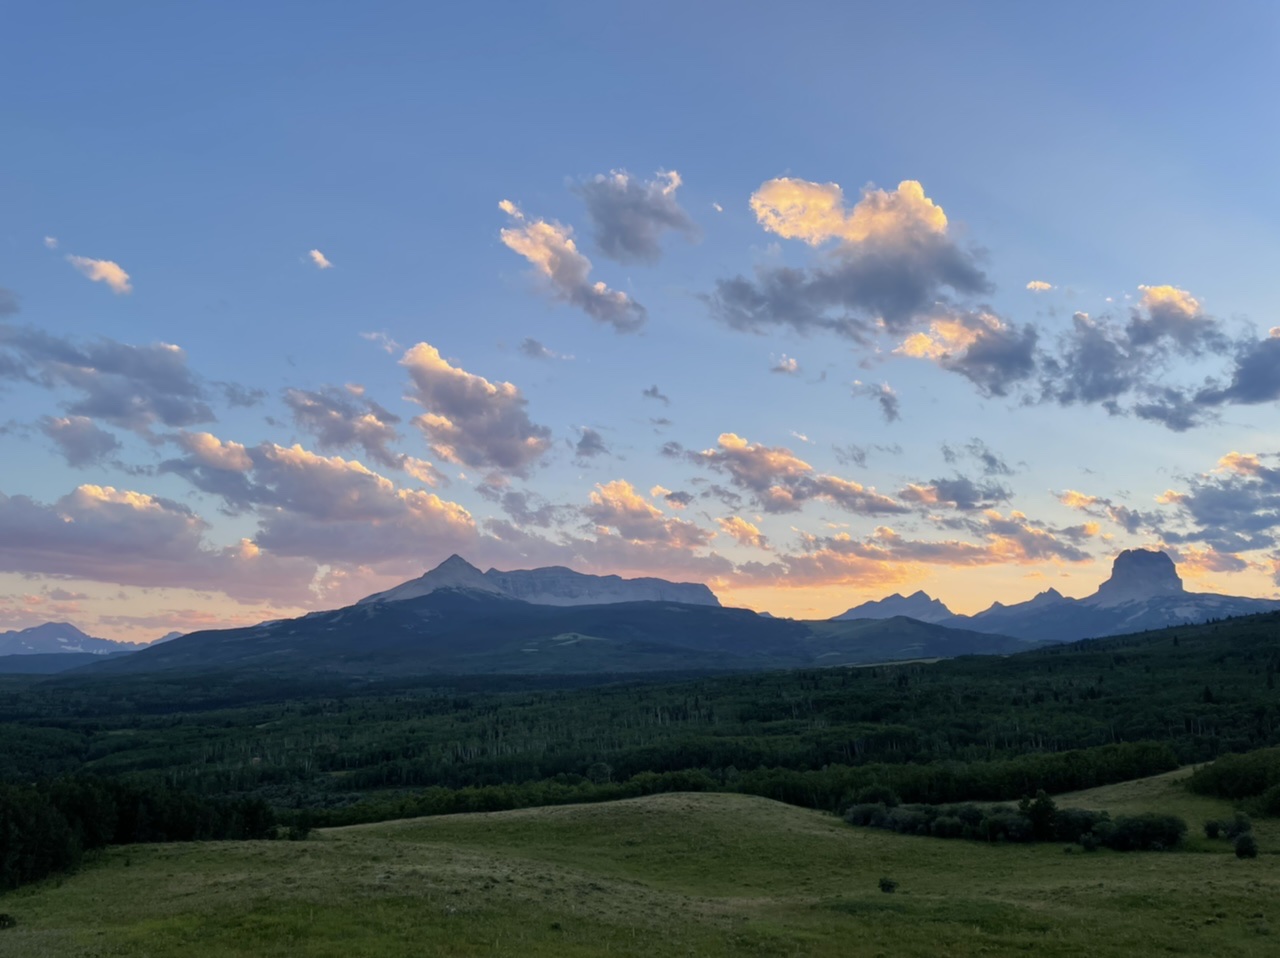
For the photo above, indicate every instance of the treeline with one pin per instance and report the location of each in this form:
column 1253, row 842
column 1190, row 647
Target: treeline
column 830, row 789
column 1253, row 777
column 47, row 829
column 1038, row 820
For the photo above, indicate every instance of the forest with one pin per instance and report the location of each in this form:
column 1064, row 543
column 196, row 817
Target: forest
column 977, row 727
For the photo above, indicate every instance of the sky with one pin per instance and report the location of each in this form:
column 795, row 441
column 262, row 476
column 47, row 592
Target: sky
column 813, row 303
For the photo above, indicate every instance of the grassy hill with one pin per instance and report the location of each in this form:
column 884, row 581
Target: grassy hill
column 674, row 874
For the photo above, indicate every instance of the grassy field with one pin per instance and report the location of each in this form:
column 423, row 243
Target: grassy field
column 674, row 874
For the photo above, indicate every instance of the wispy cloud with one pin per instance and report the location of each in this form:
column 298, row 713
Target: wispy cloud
column 321, row 261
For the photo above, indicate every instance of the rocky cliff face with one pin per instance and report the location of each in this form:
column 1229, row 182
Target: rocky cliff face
column 1137, row 575
column 551, row 585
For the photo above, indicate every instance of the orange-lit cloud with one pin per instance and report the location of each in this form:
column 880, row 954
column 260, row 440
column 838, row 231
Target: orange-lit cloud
column 103, row 271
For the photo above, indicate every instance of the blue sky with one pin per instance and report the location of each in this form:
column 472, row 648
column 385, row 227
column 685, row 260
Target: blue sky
column 944, row 427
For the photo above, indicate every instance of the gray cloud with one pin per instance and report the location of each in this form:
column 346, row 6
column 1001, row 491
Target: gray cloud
column 470, row 420
column 1255, row 377
column 883, row 394
column 957, row 492
column 9, row 302
column 628, row 215
column 534, row 349
column 344, row 418
column 131, row 387
column 590, row 445
column 79, row 439
column 653, row 392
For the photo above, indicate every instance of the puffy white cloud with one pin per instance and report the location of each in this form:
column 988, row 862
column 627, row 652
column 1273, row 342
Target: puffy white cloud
column 1039, row 286
column 103, row 271
column 321, row 261
column 816, row 212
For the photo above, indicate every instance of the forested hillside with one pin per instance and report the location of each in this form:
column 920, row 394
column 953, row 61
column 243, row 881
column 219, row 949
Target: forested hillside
column 958, row 729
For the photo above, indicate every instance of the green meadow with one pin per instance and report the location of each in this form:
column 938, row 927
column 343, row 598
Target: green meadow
column 672, row 874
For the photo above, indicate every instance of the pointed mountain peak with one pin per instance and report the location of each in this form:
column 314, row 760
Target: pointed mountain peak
column 919, row 605
column 454, row 563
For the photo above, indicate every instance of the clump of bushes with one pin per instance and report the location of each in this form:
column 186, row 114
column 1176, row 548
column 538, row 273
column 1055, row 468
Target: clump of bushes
column 1032, row 820
column 7, row 921
column 888, row 885
column 1246, row 846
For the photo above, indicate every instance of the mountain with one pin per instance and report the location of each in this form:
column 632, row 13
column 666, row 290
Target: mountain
column 59, row 637
column 1143, row 592
column 551, row 585
column 50, row 663
column 919, row 605
column 452, row 630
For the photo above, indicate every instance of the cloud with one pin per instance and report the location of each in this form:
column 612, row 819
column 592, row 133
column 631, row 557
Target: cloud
column 9, row 303
column 112, row 535
column 549, row 246
column 991, row 354
column 892, row 261
column 1131, row 520
column 959, row 492
column 882, row 393
column 470, row 420
column 780, row 481
column 628, row 215
column 743, row 532
column 131, row 387
column 534, row 349
column 344, row 418
column 324, row 508
column 1039, row 286
column 383, row 341
column 991, row 462
column 79, row 439
column 103, row 271
column 653, row 392
column 717, row 207
column 1255, row 377
column 676, row 500
column 1234, row 508
column 321, row 261
column 617, row 506
column 787, row 365
column 51, row 242
column 590, row 445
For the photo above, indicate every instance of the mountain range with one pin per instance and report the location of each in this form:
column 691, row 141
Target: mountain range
column 1143, row 592
column 59, row 637
column 456, row 619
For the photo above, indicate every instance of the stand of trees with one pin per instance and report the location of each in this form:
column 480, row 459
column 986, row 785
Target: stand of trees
column 47, row 829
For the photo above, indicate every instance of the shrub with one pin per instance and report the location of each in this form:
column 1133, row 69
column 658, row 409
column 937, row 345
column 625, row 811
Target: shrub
column 909, row 820
column 1089, row 842
column 1147, row 832
column 1246, row 846
column 868, row 814
column 1071, row 823
column 1006, row 826
column 947, row 826
column 888, row 885
column 1269, row 803
column 1238, row 826
column 7, row 921
column 877, row 795
column 1212, row 828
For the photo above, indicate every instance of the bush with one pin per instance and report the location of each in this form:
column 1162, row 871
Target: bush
column 877, row 795
column 1147, row 832
column 1089, row 842
column 1071, row 823
column 947, row 826
column 7, row 921
column 1246, row 846
column 1269, row 803
column 1238, row 826
column 888, row 885
column 1007, row 826
column 1212, row 829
